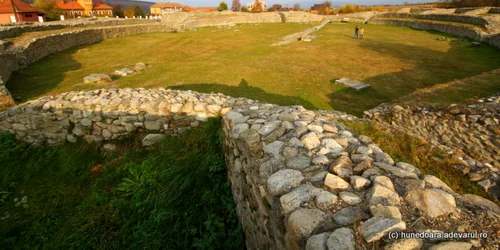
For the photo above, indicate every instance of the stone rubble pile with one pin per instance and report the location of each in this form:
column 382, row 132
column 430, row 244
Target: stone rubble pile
column 332, row 189
column 107, row 114
column 471, row 131
column 300, row 180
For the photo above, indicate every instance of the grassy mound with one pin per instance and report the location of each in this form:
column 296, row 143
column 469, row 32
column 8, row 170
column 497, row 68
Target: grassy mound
column 173, row 196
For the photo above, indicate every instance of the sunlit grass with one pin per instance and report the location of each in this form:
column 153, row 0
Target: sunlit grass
column 395, row 61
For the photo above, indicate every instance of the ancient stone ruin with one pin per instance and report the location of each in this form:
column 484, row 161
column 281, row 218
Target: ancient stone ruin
column 300, row 178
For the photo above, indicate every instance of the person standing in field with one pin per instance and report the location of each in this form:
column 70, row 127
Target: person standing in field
column 356, row 30
column 361, row 32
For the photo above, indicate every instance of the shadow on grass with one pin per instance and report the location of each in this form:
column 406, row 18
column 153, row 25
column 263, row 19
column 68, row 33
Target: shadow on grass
column 31, row 82
column 431, row 67
column 245, row 90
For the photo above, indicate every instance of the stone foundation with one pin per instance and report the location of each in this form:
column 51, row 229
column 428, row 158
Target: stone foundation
column 300, row 179
column 473, row 131
column 182, row 20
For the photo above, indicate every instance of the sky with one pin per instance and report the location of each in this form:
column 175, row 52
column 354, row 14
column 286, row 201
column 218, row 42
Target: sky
column 303, row 3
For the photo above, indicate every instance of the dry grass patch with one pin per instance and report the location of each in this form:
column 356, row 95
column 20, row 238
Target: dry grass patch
column 402, row 147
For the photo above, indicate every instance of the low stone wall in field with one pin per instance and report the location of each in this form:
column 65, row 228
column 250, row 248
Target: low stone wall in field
column 453, row 29
column 180, row 20
column 472, row 130
column 300, row 179
column 13, row 30
column 20, row 57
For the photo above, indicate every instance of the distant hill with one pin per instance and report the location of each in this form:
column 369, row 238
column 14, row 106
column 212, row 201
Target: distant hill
column 125, row 3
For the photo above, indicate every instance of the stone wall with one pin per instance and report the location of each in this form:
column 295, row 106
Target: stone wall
column 180, row 20
column 13, row 30
column 300, row 179
column 20, row 57
column 493, row 40
column 453, row 29
column 472, row 131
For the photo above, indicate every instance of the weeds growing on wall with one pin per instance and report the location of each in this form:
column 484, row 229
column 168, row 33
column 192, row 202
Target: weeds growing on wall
column 173, row 196
column 419, row 153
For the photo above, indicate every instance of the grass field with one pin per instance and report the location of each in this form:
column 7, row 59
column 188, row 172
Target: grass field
column 173, row 196
column 395, row 61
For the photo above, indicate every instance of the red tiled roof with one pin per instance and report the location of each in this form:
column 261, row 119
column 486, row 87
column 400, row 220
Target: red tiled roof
column 6, row 7
column 193, row 9
column 101, row 6
column 167, row 5
column 68, row 6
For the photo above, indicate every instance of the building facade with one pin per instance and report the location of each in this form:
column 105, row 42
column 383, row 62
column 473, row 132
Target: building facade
column 76, row 8
column 159, row 9
column 16, row 11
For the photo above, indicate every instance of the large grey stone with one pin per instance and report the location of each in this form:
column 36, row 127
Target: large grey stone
column 317, row 241
column 331, row 145
column 231, row 115
column 377, row 227
column 431, row 202
column 310, row 140
column 437, row 183
column 152, row 139
column 273, row 148
column 348, row 215
column 384, row 158
column 334, row 182
column 383, row 192
column 315, row 128
column 124, row 72
column 341, row 239
column 350, row 198
column 386, row 211
column 399, row 172
column 283, row 181
column 482, row 202
column 297, row 198
column 358, row 182
column 299, row 162
column 97, row 78
column 301, row 224
column 325, row 200
column 238, row 129
column 152, row 125
column 408, row 167
column 269, row 127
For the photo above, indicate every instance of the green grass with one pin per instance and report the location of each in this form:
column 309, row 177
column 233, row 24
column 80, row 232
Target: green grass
column 419, row 153
column 173, row 196
column 395, row 61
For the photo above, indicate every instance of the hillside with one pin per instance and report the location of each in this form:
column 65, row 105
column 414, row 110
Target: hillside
column 125, row 3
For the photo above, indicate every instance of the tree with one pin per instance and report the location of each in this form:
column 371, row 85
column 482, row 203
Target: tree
column 222, row 6
column 236, row 6
column 134, row 10
column 118, row 10
column 244, row 9
column 296, row 6
column 49, row 6
column 258, row 6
